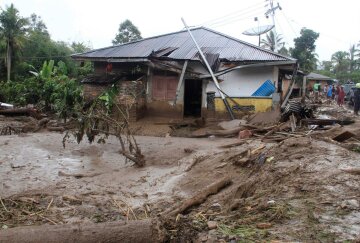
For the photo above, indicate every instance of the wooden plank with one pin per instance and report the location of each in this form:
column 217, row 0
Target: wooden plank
column 343, row 136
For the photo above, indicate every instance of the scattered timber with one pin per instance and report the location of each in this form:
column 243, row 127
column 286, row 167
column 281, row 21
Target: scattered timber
column 231, row 145
column 325, row 122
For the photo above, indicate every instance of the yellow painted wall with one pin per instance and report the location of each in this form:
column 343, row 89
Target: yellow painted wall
column 260, row 104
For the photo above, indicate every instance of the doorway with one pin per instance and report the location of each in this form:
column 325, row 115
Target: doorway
column 192, row 97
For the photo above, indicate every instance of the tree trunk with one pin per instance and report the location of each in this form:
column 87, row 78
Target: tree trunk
column 119, row 231
column 8, row 61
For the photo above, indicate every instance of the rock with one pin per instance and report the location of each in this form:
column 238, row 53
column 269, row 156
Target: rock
column 188, row 150
column 204, row 238
column 216, row 207
column 72, row 200
column 271, row 202
column 245, row 134
column 350, row 204
column 263, row 225
column 226, row 125
column 212, row 225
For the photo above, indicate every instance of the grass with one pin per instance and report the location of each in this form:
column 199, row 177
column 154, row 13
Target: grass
column 356, row 149
column 246, row 233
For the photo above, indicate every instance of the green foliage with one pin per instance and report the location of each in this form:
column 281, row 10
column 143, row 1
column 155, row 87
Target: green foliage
column 247, row 233
column 67, row 97
column 344, row 66
column 284, row 51
column 108, row 97
column 273, row 41
column 79, row 47
column 341, row 61
column 127, row 32
column 304, row 50
column 12, row 32
column 49, row 88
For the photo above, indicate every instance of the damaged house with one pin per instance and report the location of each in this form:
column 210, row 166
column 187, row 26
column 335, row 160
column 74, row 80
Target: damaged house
column 165, row 75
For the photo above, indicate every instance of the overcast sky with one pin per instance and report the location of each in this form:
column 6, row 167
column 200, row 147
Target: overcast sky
column 96, row 22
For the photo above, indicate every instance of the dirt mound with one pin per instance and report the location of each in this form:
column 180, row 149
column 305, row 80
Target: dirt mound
column 266, row 118
column 302, row 185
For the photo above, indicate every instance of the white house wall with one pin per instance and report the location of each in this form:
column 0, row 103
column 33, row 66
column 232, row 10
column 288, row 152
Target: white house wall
column 243, row 82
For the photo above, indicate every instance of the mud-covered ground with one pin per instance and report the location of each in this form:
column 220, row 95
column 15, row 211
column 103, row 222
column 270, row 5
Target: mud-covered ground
column 302, row 191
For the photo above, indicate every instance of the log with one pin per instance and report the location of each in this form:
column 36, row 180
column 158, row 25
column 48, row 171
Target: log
column 119, row 231
column 234, row 132
column 232, row 144
column 21, row 112
column 56, row 129
column 353, row 171
column 78, row 175
column 199, row 197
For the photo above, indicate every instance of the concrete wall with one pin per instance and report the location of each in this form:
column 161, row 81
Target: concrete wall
column 243, row 82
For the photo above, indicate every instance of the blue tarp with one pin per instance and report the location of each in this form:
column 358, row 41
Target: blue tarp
column 266, row 89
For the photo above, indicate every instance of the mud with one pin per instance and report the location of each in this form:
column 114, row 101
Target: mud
column 298, row 193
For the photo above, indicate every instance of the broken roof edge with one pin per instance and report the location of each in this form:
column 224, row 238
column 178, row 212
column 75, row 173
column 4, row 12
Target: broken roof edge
column 252, row 65
column 79, row 55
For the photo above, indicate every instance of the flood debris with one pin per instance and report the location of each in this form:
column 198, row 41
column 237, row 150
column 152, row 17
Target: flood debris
column 345, row 135
column 216, row 187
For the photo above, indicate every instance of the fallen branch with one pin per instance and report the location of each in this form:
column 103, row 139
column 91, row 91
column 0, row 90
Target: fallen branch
column 56, row 129
column 118, row 231
column 78, row 175
column 353, row 171
column 232, row 144
column 199, row 197
column 234, row 132
column 195, row 161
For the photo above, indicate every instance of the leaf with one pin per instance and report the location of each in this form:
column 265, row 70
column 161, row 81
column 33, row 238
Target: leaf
column 36, row 74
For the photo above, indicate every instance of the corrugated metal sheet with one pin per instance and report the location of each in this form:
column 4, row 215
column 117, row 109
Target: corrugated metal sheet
column 266, row 89
column 228, row 48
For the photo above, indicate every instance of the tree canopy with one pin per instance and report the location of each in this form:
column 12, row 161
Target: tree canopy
column 273, row 41
column 304, row 49
column 127, row 32
column 12, row 32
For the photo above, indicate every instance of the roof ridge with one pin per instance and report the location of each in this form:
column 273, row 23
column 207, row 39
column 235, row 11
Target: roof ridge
column 132, row 42
column 206, row 29
column 247, row 43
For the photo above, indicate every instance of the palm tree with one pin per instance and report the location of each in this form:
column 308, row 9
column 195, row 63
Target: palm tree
column 12, row 31
column 273, row 41
column 353, row 52
column 341, row 61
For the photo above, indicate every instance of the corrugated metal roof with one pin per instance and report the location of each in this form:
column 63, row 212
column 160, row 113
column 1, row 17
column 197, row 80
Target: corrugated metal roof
column 318, row 76
column 210, row 41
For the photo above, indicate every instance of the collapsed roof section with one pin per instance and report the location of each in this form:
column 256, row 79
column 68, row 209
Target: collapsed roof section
column 179, row 46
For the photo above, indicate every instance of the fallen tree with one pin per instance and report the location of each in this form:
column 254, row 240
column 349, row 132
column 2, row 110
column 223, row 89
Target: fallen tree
column 149, row 230
column 104, row 117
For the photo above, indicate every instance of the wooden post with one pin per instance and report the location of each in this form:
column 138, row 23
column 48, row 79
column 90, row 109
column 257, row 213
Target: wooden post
column 303, row 87
column 181, row 80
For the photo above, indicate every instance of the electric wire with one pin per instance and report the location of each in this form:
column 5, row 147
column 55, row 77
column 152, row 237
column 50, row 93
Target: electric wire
column 230, row 15
column 249, row 16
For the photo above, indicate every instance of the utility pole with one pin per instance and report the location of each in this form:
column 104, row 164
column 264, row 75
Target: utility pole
column 271, row 12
